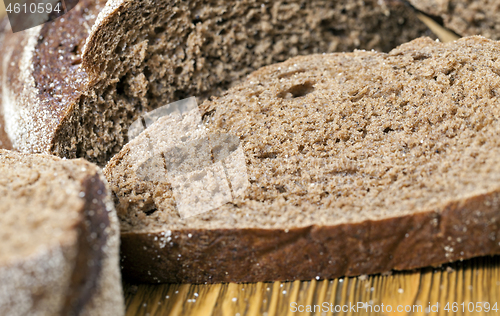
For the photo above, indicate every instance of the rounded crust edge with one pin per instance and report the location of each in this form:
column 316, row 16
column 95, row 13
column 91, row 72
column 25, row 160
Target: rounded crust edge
column 108, row 296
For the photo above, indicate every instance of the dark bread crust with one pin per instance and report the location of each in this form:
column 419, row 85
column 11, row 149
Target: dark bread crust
column 92, row 238
column 67, row 37
column 56, row 56
column 430, row 238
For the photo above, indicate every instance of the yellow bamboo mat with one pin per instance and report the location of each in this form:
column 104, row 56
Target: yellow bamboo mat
column 467, row 287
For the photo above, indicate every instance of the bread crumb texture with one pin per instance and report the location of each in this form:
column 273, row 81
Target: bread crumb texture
column 479, row 17
column 39, row 203
column 35, row 193
column 344, row 137
column 95, row 70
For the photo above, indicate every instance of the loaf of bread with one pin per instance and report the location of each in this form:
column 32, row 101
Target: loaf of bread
column 466, row 18
column 73, row 86
column 358, row 163
column 59, row 238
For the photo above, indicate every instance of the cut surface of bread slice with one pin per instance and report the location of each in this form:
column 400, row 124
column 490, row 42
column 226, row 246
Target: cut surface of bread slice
column 59, row 239
column 466, row 18
column 358, row 163
column 73, row 86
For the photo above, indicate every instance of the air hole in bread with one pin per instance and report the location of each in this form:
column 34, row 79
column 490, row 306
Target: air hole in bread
column 159, row 30
column 268, row 155
column 150, row 212
column 297, row 91
column 421, row 56
column 280, row 188
column 196, row 19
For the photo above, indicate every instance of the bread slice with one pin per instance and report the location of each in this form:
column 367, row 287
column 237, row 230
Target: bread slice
column 466, row 18
column 73, row 86
column 358, row 163
column 58, row 239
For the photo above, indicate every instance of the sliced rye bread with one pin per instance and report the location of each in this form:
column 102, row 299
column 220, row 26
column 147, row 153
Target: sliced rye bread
column 73, row 86
column 358, row 163
column 59, row 242
column 466, row 18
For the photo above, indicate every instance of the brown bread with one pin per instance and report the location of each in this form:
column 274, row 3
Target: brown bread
column 358, row 162
column 71, row 88
column 59, row 239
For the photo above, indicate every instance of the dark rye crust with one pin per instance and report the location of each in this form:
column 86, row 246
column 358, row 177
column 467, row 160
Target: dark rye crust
column 91, row 254
column 67, row 37
column 431, row 238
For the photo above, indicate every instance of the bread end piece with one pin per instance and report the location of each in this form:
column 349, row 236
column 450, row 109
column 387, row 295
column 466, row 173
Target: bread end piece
column 60, row 238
